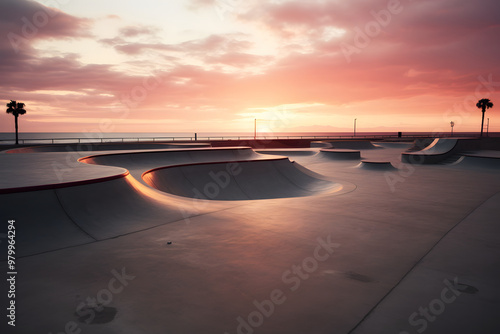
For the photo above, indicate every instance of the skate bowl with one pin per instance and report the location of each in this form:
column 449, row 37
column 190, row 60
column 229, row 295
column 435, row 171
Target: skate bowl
column 340, row 154
column 138, row 162
column 231, row 173
column 167, row 157
column 240, row 180
column 376, row 165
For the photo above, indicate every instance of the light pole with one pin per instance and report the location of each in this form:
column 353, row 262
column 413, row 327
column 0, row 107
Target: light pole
column 255, row 129
column 355, row 127
column 452, row 124
column 488, row 128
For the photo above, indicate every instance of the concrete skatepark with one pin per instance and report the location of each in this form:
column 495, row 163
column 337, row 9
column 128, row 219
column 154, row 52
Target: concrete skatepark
column 342, row 237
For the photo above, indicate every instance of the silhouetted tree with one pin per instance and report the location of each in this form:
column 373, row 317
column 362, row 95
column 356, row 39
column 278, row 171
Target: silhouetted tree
column 483, row 104
column 16, row 109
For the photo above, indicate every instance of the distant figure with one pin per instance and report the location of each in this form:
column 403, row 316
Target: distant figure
column 484, row 104
column 16, row 109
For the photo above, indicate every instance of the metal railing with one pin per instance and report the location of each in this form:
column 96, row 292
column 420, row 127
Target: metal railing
column 41, row 141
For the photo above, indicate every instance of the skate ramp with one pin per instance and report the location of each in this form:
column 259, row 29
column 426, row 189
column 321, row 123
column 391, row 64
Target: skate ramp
column 486, row 160
column 41, row 223
column 439, row 150
column 243, row 180
column 419, row 144
column 440, row 146
column 62, row 217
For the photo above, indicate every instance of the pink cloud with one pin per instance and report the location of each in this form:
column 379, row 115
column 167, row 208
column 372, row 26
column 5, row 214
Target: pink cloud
column 137, row 48
column 24, row 21
column 238, row 59
column 430, row 51
column 133, row 31
column 211, row 46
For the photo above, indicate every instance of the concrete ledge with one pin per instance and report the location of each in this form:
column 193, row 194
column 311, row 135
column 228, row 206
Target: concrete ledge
column 341, row 154
column 354, row 144
column 62, row 185
column 287, row 152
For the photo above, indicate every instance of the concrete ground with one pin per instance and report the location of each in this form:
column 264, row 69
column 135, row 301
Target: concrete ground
column 407, row 250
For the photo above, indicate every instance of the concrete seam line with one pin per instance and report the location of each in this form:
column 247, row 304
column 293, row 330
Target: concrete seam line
column 290, row 180
column 418, row 262
column 70, row 218
column 233, row 177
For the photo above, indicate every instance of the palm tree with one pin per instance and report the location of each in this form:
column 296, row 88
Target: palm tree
column 16, row 109
column 484, row 104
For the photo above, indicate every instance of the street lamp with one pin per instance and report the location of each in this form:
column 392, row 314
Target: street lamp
column 355, row 127
column 452, row 125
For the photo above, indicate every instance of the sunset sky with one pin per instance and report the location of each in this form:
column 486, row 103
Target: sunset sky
column 216, row 65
